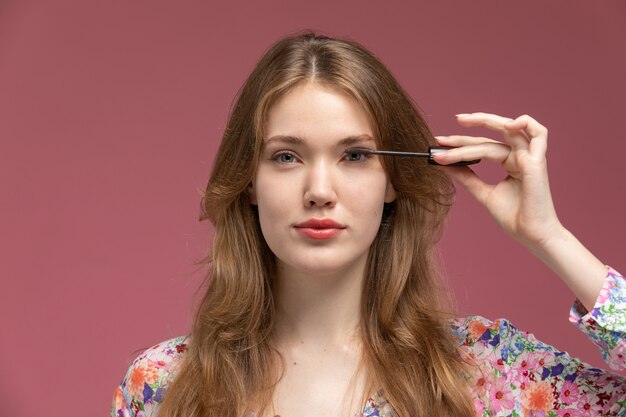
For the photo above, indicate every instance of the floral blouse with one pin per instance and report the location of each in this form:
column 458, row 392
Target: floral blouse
column 517, row 375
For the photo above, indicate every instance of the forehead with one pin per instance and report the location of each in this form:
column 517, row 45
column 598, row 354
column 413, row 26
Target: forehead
column 313, row 110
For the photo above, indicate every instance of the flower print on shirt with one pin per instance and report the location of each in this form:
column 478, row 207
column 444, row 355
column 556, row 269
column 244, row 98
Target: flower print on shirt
column 501, row 396
column 514, row 374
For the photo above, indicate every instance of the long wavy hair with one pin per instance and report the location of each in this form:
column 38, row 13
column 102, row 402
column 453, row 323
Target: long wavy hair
column 408, row 349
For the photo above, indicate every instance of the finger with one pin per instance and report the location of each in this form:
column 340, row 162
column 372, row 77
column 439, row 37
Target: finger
column 533, row 127
column 516, row 138
column 488, row 120
column 493, row 151
column 460, row 140
column 537, row 132
column 471, row 182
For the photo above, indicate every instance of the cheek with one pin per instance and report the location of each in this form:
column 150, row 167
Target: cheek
column 275, row 199
column 269, row 187
column 272, row 208
column 366, row 192
column 271, row 220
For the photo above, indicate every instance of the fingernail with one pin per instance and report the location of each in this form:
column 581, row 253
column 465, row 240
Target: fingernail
column 463, row 115
column 435, row 152
column 441, row 137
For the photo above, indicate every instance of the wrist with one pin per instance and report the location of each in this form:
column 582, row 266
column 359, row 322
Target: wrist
column 549, row 237
column 579, row 269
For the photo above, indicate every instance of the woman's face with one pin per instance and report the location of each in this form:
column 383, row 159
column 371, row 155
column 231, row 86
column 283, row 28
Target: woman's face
column 319, row 207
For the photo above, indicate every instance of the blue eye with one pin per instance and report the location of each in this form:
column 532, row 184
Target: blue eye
column 285, row 158
column 354, row 156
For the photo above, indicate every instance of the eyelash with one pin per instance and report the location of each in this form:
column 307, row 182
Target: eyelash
column 365, row 156
column 277, row 155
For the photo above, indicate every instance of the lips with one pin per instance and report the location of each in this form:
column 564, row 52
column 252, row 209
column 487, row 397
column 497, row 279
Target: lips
column 320, row 224
column 319, row 228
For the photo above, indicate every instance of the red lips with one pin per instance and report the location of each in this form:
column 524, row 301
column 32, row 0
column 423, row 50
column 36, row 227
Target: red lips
column 319, row 228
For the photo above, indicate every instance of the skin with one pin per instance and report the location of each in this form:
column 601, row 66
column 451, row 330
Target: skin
column 319, row 281
column 304, row 173
column 521, row 204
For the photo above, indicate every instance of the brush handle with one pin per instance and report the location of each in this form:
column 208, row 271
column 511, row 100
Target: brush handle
column 434, row 150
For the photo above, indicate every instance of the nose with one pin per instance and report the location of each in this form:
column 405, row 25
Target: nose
column 320, row 186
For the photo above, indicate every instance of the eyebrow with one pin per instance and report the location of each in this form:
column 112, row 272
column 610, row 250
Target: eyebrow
column 294, row 140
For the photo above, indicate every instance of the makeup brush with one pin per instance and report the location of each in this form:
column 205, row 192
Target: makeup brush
column 432, row 150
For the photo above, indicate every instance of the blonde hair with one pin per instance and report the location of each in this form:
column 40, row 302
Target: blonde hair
column 408, row 349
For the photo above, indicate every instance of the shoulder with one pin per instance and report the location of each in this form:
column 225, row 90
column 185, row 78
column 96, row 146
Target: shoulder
column 483, row 337
column 472, row 329
column 499, row 343
column 148, row 377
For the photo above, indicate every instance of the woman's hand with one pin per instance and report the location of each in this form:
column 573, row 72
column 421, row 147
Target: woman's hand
column 521, row 203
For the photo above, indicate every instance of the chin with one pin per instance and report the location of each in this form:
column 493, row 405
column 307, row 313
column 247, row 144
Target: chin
column 321, row 267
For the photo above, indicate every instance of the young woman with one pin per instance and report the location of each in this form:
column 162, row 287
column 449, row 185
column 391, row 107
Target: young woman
column 323, row 294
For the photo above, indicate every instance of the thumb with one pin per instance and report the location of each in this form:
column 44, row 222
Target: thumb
column 471, row 182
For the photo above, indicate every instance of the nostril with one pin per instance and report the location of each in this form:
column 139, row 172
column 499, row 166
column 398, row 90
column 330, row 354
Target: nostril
column 327, row 203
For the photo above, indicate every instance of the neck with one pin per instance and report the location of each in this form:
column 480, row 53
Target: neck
column 319, row 311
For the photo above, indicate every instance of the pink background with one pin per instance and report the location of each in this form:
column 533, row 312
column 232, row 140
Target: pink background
column 110, row 114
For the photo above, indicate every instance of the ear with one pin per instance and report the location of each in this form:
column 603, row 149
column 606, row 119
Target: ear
column 390, row 193
column 251, row 194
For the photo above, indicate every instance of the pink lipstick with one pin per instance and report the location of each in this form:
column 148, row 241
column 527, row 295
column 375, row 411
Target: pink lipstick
column 319, row 228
